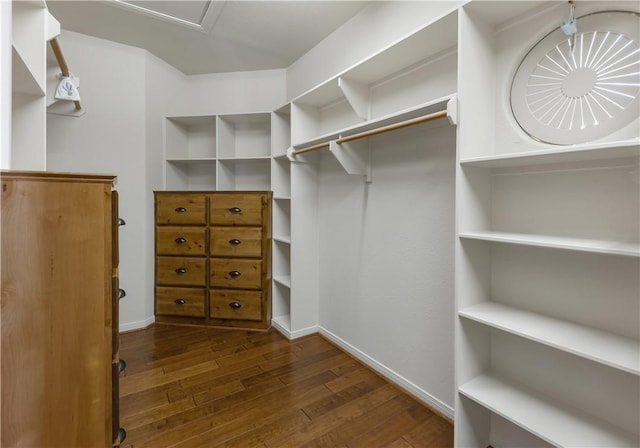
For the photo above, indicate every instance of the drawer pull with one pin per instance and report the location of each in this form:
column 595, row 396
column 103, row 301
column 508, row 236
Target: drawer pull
column 181, row 271
column 121, row 293
column 235, row 305
column 179, row 301
column 121, row 366
column 122, row 434
column 180, row 240
column 235, row 274
column 235, row 209
column 181, row 209
column 121, row 222
column 235, row 242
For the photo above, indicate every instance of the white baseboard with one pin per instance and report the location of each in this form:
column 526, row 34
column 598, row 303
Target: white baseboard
column 392, row 376
column 291, row 335
column 138, row 325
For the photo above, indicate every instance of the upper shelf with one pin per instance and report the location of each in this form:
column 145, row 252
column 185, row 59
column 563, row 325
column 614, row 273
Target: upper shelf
column 555, row 154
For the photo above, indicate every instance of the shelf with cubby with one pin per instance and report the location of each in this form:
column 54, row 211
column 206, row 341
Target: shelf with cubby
column 547, row 258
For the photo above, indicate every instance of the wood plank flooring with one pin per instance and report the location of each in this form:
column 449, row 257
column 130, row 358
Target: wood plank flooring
column 202, row 387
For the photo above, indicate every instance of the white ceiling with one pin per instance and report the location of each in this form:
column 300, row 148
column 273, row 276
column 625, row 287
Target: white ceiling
column 200, row 37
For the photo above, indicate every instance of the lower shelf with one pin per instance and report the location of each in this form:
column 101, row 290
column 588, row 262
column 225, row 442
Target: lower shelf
column 544, row 417
column 606, row 348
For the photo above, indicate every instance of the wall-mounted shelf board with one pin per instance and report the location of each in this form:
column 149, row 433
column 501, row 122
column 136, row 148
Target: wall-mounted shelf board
column 544, row 417
column 284, row 280
column 406, row 114
column 242, row 159
column 282, row 239
column 281, row 198
column 199, row 161
column 600, row 346
column 576, row 153
column 430, row 40
column 577, row 244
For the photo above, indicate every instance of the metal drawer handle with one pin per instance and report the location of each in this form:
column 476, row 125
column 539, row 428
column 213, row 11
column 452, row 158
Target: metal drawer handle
column 181, row 271
column 121, row 222
column 121, row 293
column 181, row 209
column 235, row 305
column 121, row 366
column 179, row 301
column 235, row 209
column 180, row 240
column 122, row 434
column 235, row 274
column 235, row 241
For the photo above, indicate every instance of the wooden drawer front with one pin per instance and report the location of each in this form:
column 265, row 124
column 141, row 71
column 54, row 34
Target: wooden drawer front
column 236, row 242
column 236, row 209
column 181, row 271
column 180, row 301
column 180, row 241
column 180, row 208
column 230, row 304
column 236, row 273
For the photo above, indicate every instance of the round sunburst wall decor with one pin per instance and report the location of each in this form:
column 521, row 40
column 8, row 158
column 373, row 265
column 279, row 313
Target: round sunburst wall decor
column 571, row 90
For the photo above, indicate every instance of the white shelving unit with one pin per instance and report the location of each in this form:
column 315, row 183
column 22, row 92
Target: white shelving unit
column 281, row 186
column 547, row 258
column 33, row 26
column 218, row 152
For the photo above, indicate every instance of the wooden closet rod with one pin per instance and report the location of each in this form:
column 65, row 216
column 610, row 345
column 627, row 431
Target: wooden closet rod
column 64, row 68
column 380, row 130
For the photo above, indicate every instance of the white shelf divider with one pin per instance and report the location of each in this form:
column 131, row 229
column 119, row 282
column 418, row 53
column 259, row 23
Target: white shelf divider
column 576, row 244
column 284, row 280
column 599, row 346
column 282, row 239
column 544, row 417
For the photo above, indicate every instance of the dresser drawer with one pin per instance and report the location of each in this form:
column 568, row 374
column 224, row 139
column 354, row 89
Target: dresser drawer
column 180, row 208
column 180, row 241
column 236, row 209
column 236, row 242
column 181, row 271
column 230, row 304
column 236, row 273
column 180, row 301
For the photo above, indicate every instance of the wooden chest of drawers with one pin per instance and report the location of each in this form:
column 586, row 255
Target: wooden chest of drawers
column 213, row 258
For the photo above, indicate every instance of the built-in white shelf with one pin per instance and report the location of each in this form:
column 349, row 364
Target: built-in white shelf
column 600, row 346
column 242, row 159
column 555, row 242
column 543, row 416
column 282, row 239
column 195, row 161
column 284, row 280
column 555, row 154
column 282, row 198
column 429, row 107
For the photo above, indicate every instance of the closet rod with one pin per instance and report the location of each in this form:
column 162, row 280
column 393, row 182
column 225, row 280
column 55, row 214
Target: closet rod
column 64, row 68
column 380, row 130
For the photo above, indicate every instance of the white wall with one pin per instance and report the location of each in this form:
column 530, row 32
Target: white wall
column 386, row 259
column 5, row 84
column 110, row 138
column 377, row 26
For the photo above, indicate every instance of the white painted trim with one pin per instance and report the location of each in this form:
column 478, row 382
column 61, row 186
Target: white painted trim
column 389, row 374
column 284, row 331
column 138, row 325
column 291, row 335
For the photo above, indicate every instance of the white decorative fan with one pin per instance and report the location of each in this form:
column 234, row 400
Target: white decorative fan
column 570, row 90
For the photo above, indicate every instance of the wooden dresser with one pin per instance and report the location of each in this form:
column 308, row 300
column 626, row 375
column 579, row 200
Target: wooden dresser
column 59, row 299
column 213, row 258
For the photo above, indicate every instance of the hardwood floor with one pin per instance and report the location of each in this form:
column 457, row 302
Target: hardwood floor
column 202, row 387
